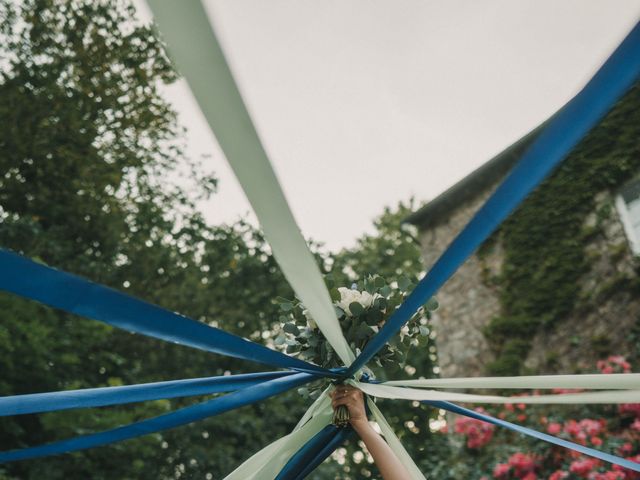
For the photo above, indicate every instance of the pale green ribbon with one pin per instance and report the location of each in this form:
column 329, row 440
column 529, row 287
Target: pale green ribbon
column 197, row 53
column 615, row 381
column 383, row 390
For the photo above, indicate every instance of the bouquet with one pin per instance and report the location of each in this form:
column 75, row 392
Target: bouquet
column 361, row 310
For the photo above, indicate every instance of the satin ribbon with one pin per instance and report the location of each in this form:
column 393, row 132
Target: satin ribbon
column 73, row 294
column 563, row 132
column 268, row 462
column 100, row 397
column 621, row 381
column 450, row 407
column 386, row 391
column 197, row 53
column 180, row 417
column 314, row 452
column 325, row 442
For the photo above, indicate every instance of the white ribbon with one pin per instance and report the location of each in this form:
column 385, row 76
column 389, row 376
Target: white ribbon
column 616, row 381
column 195, row 49
column 388, row 391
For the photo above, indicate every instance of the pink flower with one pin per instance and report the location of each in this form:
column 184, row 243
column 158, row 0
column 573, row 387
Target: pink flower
column 614, row 364
column 501, row 470
column 625, row 448
column 636, row 424
column 558, row 475
column 522, row 464
column 554, row 428
column 629, row 409
column 583, row 467
column 478, row 433
column 610, row 475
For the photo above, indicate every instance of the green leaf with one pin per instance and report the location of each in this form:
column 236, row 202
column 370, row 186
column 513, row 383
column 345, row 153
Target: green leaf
column 356, row 308
column 379, row 282
column 432, row 304
column 404, row 283
column 385, row 291
column 374, row 316
column 335, row 295
column 424, row 331
column 279, row 339
column 287, row 307
column 369, row 286
column 291, row 328
column 339, row 311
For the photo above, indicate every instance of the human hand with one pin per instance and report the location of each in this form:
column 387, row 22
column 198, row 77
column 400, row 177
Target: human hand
column 353, row 399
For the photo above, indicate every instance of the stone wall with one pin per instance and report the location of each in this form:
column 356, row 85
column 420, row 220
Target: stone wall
column 600, row 325
column 466, row 302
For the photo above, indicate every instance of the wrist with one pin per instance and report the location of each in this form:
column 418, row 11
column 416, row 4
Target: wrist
column 360, row 424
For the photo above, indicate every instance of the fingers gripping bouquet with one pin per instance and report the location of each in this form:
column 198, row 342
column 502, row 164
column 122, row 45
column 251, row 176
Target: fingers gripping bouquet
column 361, row 310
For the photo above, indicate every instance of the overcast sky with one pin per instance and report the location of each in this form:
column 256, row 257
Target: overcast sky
column 363, row 103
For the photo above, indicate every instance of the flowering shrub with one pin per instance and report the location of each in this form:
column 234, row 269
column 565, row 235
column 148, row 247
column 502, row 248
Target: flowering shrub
column 478, row 433
column 500, row 454
column 614, row 364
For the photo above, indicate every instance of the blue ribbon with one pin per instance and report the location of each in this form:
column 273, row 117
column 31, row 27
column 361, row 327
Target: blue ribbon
column 100, row 397
column 535, row 434
column 314, row 452
column 563, row 132
column 73, row 294
column 163, row 422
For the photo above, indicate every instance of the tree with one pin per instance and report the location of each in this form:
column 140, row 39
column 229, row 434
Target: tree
column 89, row 150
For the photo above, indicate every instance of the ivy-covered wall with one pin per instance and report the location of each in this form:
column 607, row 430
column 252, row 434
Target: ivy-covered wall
column 546, row 242
column 557, row 286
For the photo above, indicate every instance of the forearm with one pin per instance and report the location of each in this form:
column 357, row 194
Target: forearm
column 389, row 465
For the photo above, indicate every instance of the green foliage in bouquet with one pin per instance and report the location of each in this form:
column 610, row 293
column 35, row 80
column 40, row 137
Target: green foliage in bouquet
column 361, row 310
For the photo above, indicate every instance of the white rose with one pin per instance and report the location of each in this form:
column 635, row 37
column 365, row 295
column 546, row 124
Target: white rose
column 366, row 299
column 348, row 296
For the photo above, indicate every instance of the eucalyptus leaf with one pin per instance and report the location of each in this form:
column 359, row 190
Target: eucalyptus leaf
column 334, row 293
column 287, row 307
column 356, row 308
column 385, row 291
column 404, row 282
column 291, row 328
column 432, row 304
